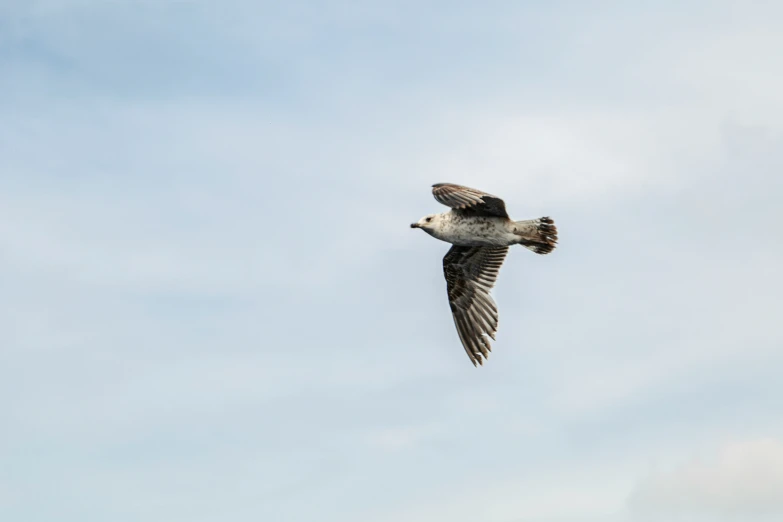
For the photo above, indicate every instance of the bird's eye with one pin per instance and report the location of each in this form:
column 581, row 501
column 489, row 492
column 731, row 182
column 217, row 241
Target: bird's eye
column 428, row 220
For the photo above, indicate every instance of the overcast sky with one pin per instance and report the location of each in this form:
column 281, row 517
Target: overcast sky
column 212, row 307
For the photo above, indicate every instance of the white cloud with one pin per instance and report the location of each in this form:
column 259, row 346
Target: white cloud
column 743, row 481
column 545, row 496
column 397, row 438
column 565, row 157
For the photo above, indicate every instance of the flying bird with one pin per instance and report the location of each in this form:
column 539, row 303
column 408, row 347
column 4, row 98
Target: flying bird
column 480, row 232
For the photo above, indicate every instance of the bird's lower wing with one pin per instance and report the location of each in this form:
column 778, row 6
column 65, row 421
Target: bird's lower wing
column 470, row 274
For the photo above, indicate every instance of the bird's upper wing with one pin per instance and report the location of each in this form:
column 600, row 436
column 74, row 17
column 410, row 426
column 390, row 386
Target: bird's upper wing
column 468, row 199
column 470, row 275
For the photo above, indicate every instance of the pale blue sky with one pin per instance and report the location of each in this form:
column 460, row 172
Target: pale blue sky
column 212, row 307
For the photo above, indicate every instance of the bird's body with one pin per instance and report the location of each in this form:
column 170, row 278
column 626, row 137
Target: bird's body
column 481, row 232
column 457, row 228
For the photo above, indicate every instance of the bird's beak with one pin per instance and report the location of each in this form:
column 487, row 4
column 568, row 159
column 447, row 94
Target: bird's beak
column 414, row 225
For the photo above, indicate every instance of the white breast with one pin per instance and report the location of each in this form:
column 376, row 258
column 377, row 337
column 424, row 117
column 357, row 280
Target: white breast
column 474, row 231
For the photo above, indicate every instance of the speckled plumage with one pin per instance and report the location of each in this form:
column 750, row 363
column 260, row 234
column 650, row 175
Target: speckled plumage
column 480, row 232
column 458, row 228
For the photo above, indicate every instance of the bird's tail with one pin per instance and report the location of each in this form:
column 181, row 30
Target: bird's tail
column 538, row 235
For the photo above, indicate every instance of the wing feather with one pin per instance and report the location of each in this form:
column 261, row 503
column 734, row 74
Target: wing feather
column 470, row 274
column 468, row 199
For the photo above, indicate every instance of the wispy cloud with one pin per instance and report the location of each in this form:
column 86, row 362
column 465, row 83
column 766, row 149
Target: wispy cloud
column 744, row 481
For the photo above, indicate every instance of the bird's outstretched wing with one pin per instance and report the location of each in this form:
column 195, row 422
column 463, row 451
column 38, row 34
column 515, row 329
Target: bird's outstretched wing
column 469, row 200
column 470, row 275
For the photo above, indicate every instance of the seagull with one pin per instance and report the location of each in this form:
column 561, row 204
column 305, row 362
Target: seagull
column 480, row 232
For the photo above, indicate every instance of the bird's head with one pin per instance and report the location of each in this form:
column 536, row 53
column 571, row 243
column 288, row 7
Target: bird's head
column 427, row 223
